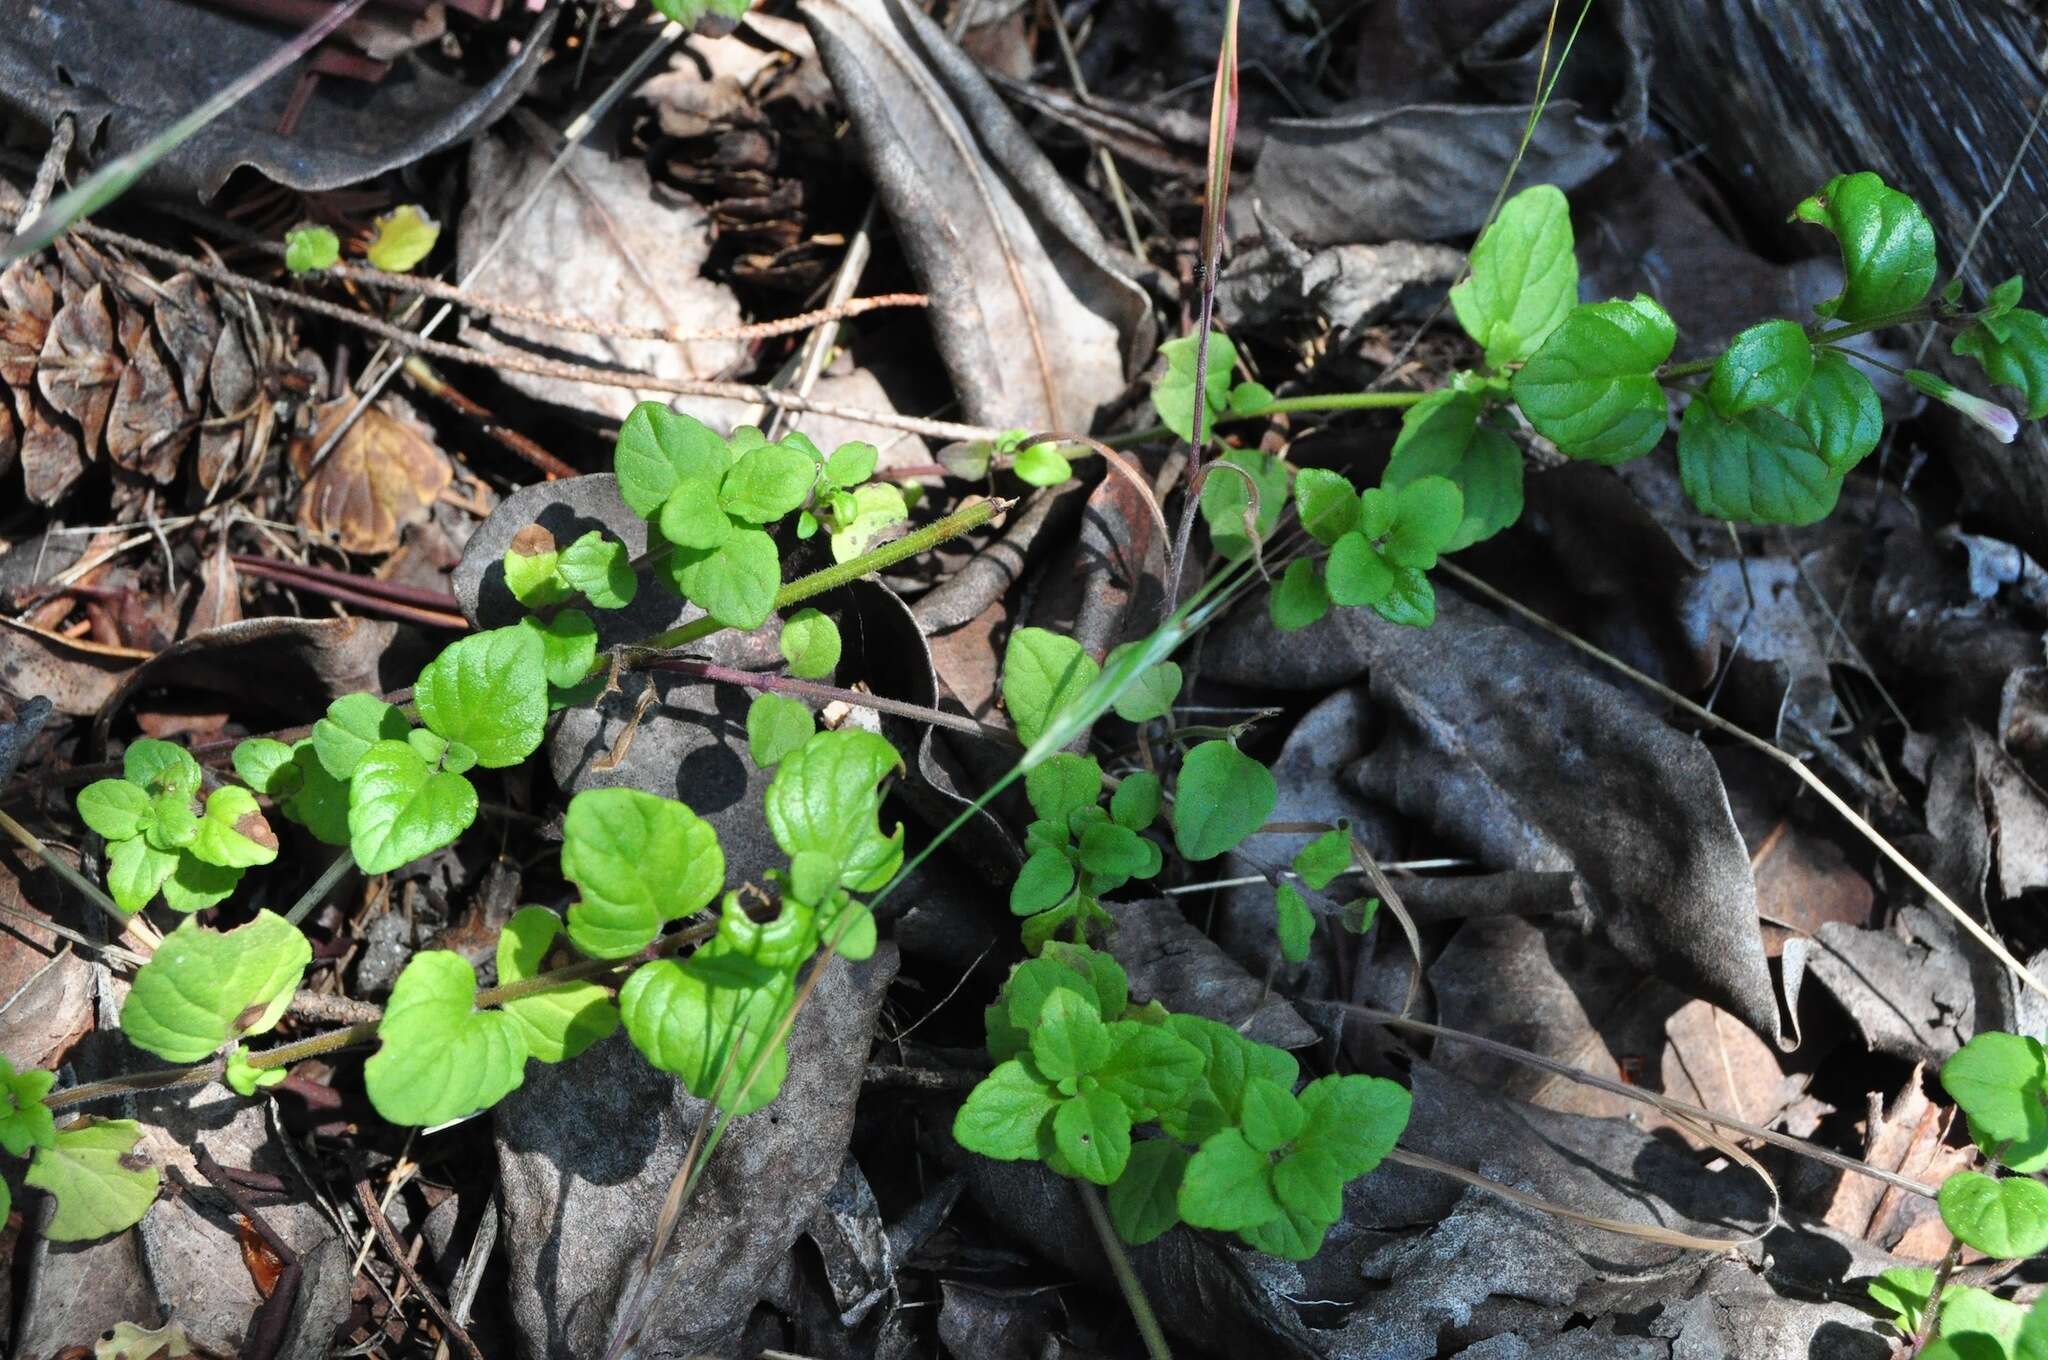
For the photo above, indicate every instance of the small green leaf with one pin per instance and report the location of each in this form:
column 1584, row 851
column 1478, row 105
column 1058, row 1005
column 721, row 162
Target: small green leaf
column 267, row 767
column 1592, row 388
column 161, row 767
column 1045, row 881
column 874, row 508
column 1062, row 785
column 1760, row 468
column 399, row 810
column 599, row 568
column 1135, row 803
column 767, row 483
column 1173, row 396
column 775, row 727
column 1148, row 1068
column 1429, row 514
column 736, row 582
column 195, row 885
column 1227, row 499
column 115, row 808
column 1356, row 573
column 1300, row 598
column 25, row 1122
column 568, row 643
column 321, row 804
column 1223, row 796
column 2006, row 1217
column 1042, row 673
column 438, row 1058
column 1327, row 501
column 1114, row 851
column 1887, row 246
column 1766, row 365
column 1042, row 465
column 203, row 988
column 92, row 1172
column 1005, row 1116
column 826, row 796
column 2018, row 359
column 2032, row 1341
column 1249, row 398
column 244, row 1078
column 1976, row 1324
column 1228, row 1184
column 1412, row 601
column 1445, row 436
column 1902, row 1291
column 1145, row 1201
column 310, row 248
column 851, row 464
column 1524, row 276
column 234, row 833
column 1839, row 411
column 1070, row 1041
column 171, row 823
column 2001, row 300
column 561, row 1021
column 2000, row 1081
column 1152, row 694
column 1352, row 1123
column 1270, row 1117
column 693, row 518
column 136, row 870
column 639, row 861
column 1295, row 924
column 810, row 644
column 532, row 568
column 710, row 1020
column 1322, row 859
column 403, row 237
column 658, row 450
column 1093, row 1133
column 354, row 723
column 489, row 692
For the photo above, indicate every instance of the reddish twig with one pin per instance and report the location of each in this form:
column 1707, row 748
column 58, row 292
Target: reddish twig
column 407, row 603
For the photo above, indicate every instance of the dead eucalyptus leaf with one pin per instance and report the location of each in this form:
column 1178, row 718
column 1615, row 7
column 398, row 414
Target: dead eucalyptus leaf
column 384, row 474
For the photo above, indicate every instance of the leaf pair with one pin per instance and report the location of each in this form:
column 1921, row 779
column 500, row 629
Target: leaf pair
column 1173, row 395
column 1079, row 852
column 849, row 508
column 595, row 566
column 161, row 838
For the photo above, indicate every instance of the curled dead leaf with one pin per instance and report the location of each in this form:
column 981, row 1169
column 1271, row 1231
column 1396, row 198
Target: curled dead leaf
column 383, row 475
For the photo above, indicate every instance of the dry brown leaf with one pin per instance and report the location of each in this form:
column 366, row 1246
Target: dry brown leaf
column 76, row 676
column 1802, row 881
column 1907, row 1138
column 383, row 475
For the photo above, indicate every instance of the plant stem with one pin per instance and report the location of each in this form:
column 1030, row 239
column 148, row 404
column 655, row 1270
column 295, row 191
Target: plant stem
column 134, row 929
column 838, row 574
column 315, row 895
column 811, row 689
column 1314, row 402
column 1908, row 317
column 1930, row 1316
column 1126, row 1277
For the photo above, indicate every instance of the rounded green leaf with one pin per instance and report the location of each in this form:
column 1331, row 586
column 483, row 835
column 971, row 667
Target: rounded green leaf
column 851, row 464
column 354, row 723
column 1045, row 881
column 203, row 988
column 115, row 808
column 1070, row 1040
column 1766, row 365
column 171, row 824
column 321, row 803
column 767, row 483
column 1524, row 276
column 1760, row 468
column 1227, row 491
column 1998, row 1081
column 161, row 767
column 1042, row 465
column 1223, row 796
column 736, row 582
column 136, row 870
column 639, row 861
column 1592, row 388
column 1149, row 696
column 1228, row 1184
column 1429, row 513
column 1327, row 502
column 1043, row 672
column 1887, row 246
column 563, row 1020
column 1145, row 1201
column 399, row 810
column 1323, row 858
column 244, row 1078
column 810, row 644
column 438, row 1058
column 776, row 726
column 489, row 692
column 1114, row 851
column 874, row 508
column 195, row 885
column 1294, row 923
column 1093, row 1133
column 599, row 568
column 1289, row 1235
column 234, row 834
column 2006, row 1216
column 693, row 518
column 102, row 1186
column 1005, row 1116
column 1173, row 395
column 1356, row 574
column 825, row 797
column 1902, row 1291
column 1063, row 785
column 1135, row 803
column 310, row 248
column 1299, row 598
column 2015, row 355
column 712, row 1036
column 1839, row 411
column 1445, row 436
column 267, row 767
column 1269, row 1116
column 402, row 238
column 25, row 1122
column 1148, row 1068
column 530, row 564
column 658, row 449
column 568, row 643
column 1411, row 602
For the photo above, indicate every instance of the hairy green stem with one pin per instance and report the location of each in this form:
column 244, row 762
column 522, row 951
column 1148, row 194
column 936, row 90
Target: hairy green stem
column 1126, row 1277
column 838, row 574
column 315, row 895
